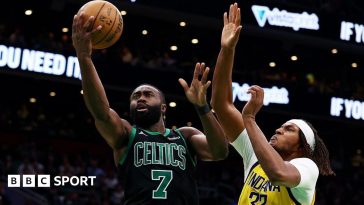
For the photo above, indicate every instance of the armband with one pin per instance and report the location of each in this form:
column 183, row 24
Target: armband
column 203, row 110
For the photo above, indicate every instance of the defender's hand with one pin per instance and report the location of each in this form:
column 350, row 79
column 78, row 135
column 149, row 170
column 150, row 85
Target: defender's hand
column 231, row 31
column 253, row 106
column 196, row 92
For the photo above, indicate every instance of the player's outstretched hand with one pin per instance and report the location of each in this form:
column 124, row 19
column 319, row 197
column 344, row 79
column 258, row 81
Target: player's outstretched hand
column 196, row 92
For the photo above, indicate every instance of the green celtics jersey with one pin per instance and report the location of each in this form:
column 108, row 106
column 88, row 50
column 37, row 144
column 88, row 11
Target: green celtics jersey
column 158, row 169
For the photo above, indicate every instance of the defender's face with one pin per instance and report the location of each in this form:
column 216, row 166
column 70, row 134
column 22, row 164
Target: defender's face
column 145, row 106
column 286, row 138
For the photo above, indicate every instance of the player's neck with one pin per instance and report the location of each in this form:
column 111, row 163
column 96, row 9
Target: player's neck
column 157, row 127
column 290, row 156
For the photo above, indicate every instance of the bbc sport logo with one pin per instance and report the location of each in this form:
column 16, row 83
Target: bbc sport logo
column 31, row 180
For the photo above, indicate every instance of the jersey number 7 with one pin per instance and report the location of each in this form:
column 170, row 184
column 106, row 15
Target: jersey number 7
column 165, row 177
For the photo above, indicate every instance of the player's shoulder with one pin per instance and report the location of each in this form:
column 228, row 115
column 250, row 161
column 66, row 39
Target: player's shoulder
column 188, row 131
column 305, row 162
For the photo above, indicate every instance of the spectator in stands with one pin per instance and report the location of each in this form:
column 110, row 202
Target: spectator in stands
column 357, row 160
column 4, row 200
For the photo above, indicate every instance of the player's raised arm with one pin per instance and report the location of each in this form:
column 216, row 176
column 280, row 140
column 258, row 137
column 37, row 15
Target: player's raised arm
column 109, row 124
column 229, row 117
column 212, row 143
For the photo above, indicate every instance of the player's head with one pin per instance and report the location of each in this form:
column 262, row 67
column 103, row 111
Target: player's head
column 298, row 138
column 147, row 105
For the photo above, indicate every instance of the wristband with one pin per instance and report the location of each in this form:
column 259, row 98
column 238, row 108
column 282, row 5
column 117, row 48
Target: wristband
column 203, row 110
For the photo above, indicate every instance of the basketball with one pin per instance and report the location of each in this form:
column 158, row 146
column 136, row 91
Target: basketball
column 109, row 17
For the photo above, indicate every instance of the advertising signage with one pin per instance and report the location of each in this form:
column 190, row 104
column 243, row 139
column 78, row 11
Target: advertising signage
column 350, row 109
column 288, row 100
column 34, row 61
column 309, row 23
column 352, row 32
column 283, row 18
column 273, row 95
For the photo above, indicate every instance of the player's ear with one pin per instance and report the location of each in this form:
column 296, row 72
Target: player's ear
column 163, row 108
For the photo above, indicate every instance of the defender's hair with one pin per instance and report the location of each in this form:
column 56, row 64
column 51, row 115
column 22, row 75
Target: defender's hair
column 320, row 155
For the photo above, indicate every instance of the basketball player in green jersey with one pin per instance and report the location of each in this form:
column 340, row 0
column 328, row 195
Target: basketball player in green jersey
column 155, row 163
column 283, row 171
